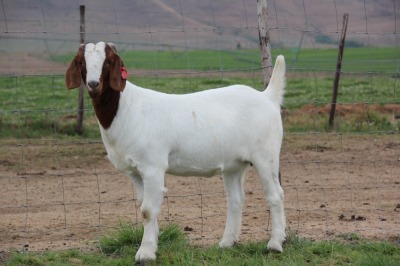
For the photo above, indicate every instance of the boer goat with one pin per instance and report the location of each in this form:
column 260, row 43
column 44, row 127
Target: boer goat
column 218, row 131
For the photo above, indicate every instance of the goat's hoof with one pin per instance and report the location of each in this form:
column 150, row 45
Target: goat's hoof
column 144, row 255
column 141, row 263
column 226, row 243
column 274, row 245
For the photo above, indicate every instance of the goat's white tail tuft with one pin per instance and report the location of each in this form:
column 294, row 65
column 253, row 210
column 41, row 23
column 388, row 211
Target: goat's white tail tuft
column 276, row 86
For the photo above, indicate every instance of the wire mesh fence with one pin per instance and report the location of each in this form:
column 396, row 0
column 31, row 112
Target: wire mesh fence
column 58, row 190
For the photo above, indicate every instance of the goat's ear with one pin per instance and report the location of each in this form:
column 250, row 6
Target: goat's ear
column 118, row 74
column 73, row 77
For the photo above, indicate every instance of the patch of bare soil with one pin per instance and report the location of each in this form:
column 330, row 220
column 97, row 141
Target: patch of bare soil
column 57, row 195
column 349, row 109
column 28, row 64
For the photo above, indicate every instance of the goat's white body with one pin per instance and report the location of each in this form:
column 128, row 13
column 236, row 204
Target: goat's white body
column 204, row 133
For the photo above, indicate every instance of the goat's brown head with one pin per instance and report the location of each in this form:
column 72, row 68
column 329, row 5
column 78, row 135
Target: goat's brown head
column 99, row 66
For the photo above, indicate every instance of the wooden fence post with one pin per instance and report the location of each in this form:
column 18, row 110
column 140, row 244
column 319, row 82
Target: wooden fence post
column 338, row 70
column 79, row 120
column 265, row 45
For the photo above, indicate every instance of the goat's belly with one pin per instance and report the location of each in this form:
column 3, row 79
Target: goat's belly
column 193, row 171
column 208, row 168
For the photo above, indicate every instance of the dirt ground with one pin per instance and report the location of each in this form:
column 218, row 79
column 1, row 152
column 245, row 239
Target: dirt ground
column 58, row 194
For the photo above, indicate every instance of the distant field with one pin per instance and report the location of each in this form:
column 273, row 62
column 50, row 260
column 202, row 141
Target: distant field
column 369, row 93
column 371, row 59
column 37, row 106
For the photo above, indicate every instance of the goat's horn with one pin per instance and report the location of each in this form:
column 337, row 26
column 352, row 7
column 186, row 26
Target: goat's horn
column 112, row 45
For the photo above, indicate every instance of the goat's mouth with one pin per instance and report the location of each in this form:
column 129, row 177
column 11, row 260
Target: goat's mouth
column 93, row 89
column 93, row 93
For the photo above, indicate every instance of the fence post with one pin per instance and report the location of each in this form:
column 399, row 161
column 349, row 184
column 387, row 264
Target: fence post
column 265, row 45
column 79, row 121
column 338, row 70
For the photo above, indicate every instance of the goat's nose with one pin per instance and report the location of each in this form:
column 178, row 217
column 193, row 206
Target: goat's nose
column 93, row 84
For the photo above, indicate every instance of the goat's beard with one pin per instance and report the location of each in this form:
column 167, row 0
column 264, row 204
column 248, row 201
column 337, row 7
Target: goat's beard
column 94, row 93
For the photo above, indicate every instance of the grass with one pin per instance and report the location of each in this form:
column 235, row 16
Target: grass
column 361, row 60
column 40, row 107
column 120, row 246
column 37, row 107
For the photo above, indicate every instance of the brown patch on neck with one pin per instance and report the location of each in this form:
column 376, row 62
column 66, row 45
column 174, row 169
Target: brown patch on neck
column 106, row 106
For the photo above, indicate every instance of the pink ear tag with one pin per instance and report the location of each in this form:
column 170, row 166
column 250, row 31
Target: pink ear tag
column 124, row 73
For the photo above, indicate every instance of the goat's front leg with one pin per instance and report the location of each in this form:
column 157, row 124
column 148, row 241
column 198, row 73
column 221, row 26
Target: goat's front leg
column 137, row 182
column 153, row 193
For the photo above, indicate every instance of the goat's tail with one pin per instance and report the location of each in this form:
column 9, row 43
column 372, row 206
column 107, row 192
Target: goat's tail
column 276, row 85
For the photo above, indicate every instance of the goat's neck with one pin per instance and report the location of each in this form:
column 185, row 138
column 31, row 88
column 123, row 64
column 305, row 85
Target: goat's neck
column 106, row 106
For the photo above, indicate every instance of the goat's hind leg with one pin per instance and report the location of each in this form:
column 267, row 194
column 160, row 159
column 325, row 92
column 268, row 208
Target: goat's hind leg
column 268, row 172
column 233, row 182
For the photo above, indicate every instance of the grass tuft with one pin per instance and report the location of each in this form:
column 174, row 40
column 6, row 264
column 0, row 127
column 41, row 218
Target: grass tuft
column 130, row 236
column 127, row 235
